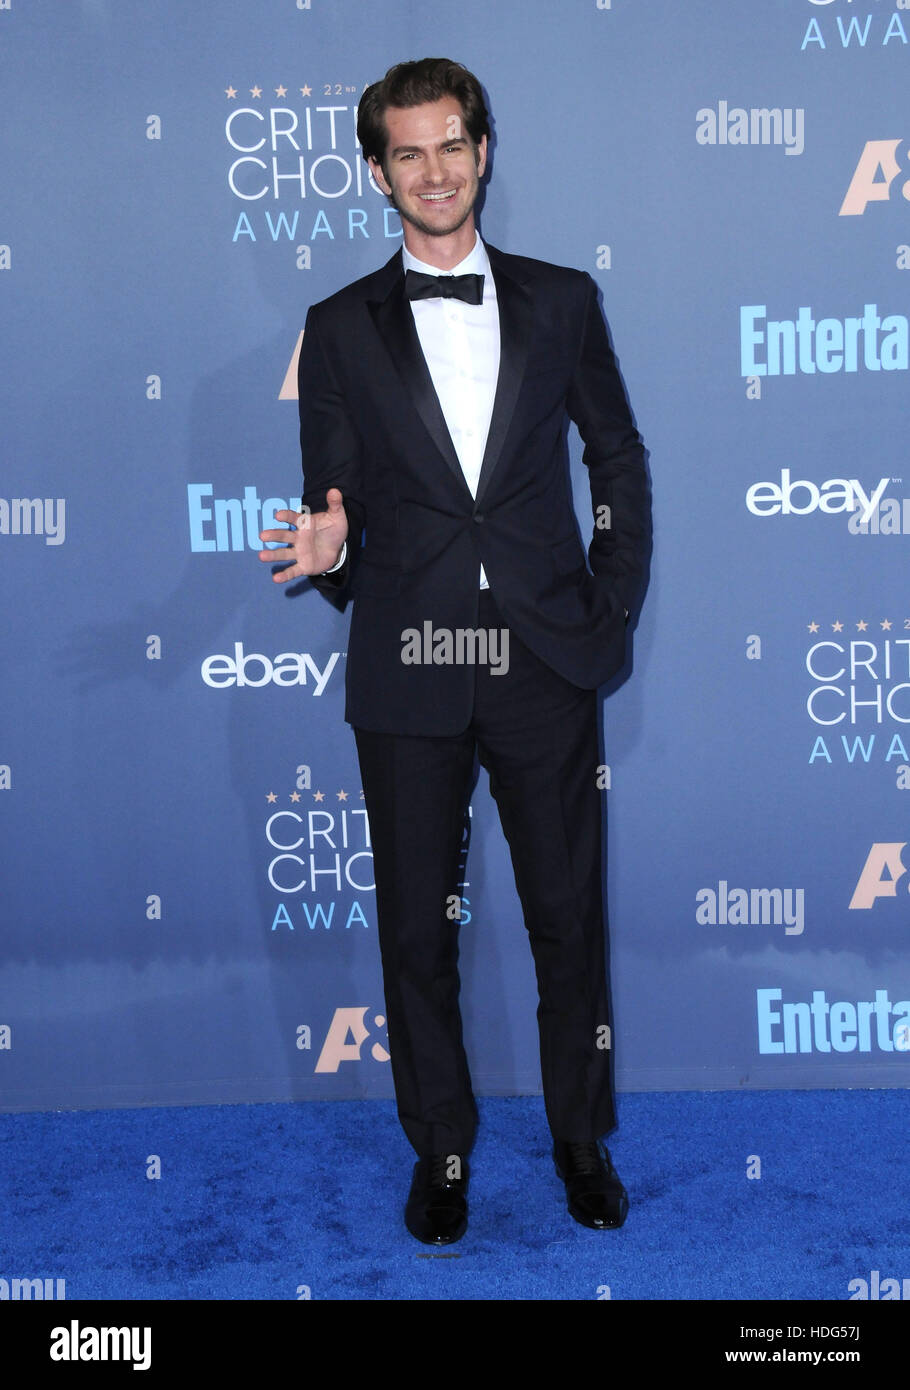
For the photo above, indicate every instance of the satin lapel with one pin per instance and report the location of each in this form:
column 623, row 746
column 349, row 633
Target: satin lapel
column 514, row 339
column 395, row 325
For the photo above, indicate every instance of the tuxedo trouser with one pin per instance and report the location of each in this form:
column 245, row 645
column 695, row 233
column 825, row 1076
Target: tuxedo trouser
column 536, row 734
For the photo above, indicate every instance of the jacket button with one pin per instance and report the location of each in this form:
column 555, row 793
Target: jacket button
column 478, row 517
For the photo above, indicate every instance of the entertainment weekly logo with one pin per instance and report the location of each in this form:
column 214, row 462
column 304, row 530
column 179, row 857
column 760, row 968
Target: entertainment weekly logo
column 221, row 524
column 294, row 169
column 806, row 345
column 830, row 1026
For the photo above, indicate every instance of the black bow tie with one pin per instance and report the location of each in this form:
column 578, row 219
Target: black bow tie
column 466, row 287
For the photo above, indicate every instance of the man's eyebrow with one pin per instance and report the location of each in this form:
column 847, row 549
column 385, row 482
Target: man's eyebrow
column 418, row 149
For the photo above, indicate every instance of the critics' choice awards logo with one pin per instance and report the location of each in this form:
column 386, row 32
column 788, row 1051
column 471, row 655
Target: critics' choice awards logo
column 320, row 858
column 858, row 675
column 863, row 27
column 295, row 167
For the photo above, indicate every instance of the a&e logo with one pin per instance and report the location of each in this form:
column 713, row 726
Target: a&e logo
column 873, row 177
column 346, row 1036
column 881, row 874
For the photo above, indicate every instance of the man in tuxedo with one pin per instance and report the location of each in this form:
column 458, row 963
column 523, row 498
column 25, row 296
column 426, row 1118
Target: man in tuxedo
column 433, row 400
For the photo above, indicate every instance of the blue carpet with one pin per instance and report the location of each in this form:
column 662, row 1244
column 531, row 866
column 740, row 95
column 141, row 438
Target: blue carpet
column 256, row 1202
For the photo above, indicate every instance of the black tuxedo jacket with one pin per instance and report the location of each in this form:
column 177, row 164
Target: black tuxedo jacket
column 371, row 425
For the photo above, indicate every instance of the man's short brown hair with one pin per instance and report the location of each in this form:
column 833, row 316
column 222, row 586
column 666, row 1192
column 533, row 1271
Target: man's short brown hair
column 413, row 84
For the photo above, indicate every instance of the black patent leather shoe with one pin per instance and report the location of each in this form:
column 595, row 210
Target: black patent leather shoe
column 596, row 1196
column 437, row 1206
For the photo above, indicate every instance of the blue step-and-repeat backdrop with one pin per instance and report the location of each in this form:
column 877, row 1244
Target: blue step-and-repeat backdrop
column 187, row 893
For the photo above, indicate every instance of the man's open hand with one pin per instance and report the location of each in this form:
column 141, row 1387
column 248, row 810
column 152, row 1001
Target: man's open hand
column 314, row 545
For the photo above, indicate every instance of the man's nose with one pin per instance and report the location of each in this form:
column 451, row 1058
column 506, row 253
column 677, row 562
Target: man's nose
column 434, row 170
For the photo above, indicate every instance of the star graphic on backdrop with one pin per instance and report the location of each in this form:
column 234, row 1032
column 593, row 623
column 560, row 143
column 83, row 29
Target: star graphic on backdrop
column 295, row 796
column 838, row 626
column 813, row 627
column 306, row 91
column 281, row 91
column 342, row 796
column 861, row 625
column 886, row 624
column 255, row 91
column 271, row 797
column 230, row 91
column 319, row 796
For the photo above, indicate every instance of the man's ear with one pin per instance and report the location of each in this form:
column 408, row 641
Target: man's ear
column 379, row 176
column 481, row 156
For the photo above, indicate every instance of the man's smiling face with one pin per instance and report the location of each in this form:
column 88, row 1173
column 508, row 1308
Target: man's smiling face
column 431, row 170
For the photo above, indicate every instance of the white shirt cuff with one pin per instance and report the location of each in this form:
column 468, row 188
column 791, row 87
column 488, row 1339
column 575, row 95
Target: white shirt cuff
column 339, row 562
